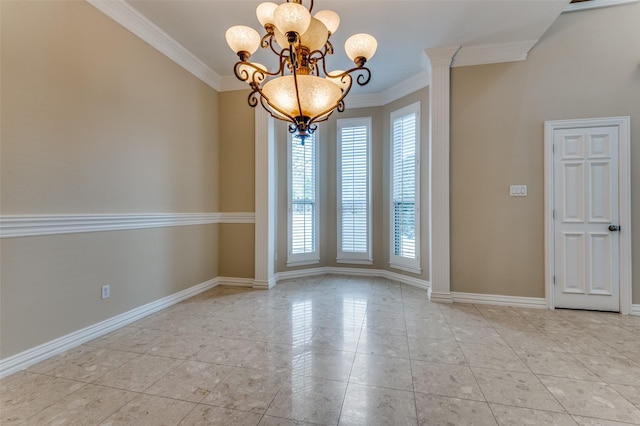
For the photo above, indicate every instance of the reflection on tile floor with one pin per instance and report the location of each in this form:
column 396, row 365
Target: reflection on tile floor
column 336, row 350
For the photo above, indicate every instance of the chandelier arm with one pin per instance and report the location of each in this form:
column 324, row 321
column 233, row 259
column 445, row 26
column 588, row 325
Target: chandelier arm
column 363, row 78
column 295, row 80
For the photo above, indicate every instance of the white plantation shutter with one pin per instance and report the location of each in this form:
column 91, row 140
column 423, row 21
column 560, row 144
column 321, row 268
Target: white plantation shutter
column 354, row 212
column 405, row 172
column 303, row 247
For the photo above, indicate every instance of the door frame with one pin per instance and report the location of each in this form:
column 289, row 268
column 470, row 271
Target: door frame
column 624, row 202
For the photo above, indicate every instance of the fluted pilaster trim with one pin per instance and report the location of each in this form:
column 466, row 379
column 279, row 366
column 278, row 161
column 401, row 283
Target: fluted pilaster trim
column 264, row 200
column 440, row 60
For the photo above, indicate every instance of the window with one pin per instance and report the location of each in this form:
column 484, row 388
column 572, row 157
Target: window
column 303, row 208
column 405, row 189
column 354, row 194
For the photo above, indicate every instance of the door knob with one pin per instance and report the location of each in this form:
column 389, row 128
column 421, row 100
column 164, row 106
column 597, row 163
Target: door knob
column 614, row 228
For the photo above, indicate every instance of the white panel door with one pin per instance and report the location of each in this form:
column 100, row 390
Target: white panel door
column 586, row 218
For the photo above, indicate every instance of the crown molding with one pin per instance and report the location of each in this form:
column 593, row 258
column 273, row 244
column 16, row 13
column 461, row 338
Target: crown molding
column 595, row 4
column 493, row 53
column 127, row 16
column 230, row 83
column 393, row 93
column 440, row 56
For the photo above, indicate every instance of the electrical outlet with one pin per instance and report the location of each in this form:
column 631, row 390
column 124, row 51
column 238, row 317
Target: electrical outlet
column 106, row 291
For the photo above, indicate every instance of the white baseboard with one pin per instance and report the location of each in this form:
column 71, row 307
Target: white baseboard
column 494, row 299
column 441, row 297
column 32, row 356
column 235, row 282
column 635, row 310
column 358, row 272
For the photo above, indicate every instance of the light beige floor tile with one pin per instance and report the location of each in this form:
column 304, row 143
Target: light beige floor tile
column 622, row 371
column 517, row 389
column 87, row 406
column 191, row 381
column 221, row 350
column 206, row 415
column 498, row 357
column 558, row 364
column 373, row 343
column 335, row 339
column 33, row 395
column 436, row 351
column 420, row 329
column 309, row 399
column 246, row 389
column 277, row 421
column 382, row 371
column 272, row 356
column 295, row 334
column 181, row 346
column 138, row 374
column 445, row 380
column 583, row 344
column 323, row 364
column 632, row 393
column 85, row 363
column 367, row 405
column 477, row 335
column 16, row 379
column 531, row 341
column 590, row 421
column 507, row 415
column 149, row 410
column 440, row 410
column 591, row 399
column 131, row 339
column 467, row 318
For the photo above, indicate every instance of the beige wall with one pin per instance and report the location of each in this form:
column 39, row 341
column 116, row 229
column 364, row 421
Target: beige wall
column 237, row 183
column 586, row 65
column 94, row 120
column 380, row 161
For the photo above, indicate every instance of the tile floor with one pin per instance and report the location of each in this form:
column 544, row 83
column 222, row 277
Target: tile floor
column 340, row 350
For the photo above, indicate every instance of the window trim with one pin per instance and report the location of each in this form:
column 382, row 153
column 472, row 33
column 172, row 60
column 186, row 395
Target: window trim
column 310, row 258
column 399, row 262
column 363, row 258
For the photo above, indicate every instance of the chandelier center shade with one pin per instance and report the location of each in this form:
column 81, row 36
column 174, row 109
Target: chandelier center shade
column 300, row 90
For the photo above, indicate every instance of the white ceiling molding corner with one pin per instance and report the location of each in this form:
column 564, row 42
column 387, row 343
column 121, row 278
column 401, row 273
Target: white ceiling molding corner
column 493, row 53
column 408, row 86
column 596, row 4
column 124, row 14
column 229, row 83
column 363, row 100
column 404, row 88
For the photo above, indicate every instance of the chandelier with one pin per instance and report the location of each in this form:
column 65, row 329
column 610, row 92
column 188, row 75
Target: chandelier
column 300, row 91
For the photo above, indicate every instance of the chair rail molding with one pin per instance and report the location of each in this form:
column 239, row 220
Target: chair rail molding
column 13, row 226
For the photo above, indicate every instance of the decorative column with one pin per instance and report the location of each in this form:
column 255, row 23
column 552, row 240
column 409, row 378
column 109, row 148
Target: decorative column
column 265, row 201
column 439, row 63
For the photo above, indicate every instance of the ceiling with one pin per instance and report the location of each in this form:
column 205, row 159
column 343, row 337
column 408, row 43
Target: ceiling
column 487, row 31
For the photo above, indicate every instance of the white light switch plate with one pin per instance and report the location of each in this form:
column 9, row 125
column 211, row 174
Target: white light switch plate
column 518, row 191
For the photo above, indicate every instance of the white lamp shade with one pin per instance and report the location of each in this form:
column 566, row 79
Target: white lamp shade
column 253, row 74
column 360, row 45
column 314, row 38
column 340, row 80
column 330, row 19
column 291, row 17
column 317, row 94
column 243, row 39
column 264, row 11
column 316, row 35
